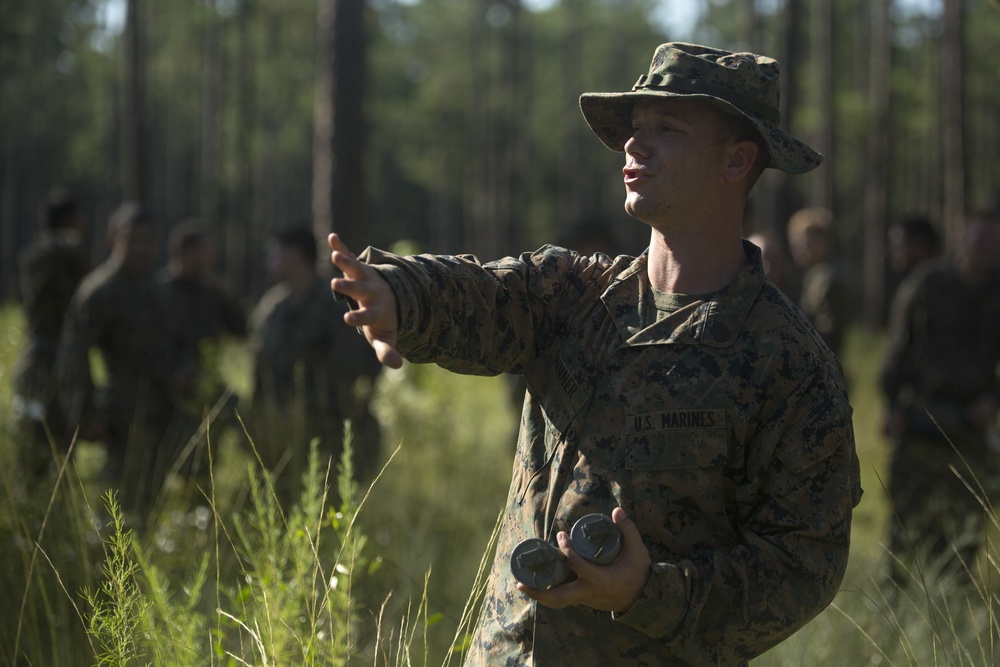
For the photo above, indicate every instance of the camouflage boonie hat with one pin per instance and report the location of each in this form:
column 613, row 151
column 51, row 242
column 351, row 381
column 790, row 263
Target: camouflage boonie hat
column 743, row 84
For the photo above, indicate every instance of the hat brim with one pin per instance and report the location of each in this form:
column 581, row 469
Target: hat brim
column 610, row 117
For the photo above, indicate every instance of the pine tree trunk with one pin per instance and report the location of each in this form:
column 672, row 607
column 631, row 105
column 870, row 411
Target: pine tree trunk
column 953, row 135
column 338, row 121
column 240, row 217
column 822, row 45
column 211, row 103
column 133, row 168
column 877, row 184
column 789, row 198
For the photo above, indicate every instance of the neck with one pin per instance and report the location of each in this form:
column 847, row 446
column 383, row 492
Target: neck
column 696, row 264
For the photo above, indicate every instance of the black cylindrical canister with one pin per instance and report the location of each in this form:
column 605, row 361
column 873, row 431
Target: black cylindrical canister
column 597, row 538
column 539, row 564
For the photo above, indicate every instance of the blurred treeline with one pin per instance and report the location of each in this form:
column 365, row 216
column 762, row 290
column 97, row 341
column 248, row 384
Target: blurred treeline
column 454, row 123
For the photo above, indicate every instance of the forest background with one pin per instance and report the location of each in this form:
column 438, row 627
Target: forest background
column 452, row 124
column 455, row 123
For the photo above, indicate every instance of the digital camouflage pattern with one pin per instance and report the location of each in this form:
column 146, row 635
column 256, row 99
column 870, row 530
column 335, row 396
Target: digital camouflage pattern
column 743, row 84
column 306, row 364
column 825, row 299
column 199, row 310
column 122, row 316
column 723, row 430
column 942, row 353
column 200, row 314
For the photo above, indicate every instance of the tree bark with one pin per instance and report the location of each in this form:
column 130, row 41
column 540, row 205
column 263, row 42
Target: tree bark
column 211, row 104
column 338, row 121
column 877, row 184
column 240, row 213
column 789, row 198
column 953, row 134
column 133, row 168
column 821, row 193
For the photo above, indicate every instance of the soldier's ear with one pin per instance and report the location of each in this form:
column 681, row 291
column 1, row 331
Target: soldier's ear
column 740, row 157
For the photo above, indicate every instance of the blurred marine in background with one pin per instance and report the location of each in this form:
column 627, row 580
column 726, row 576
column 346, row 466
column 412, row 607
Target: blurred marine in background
column 310, row 372
column 119, row 312
column 49, row 271
column 201, row 314
column 942, row 395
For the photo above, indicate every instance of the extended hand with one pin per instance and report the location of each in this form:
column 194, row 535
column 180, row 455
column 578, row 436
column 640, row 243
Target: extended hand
column 612, row 587
column 376, row 311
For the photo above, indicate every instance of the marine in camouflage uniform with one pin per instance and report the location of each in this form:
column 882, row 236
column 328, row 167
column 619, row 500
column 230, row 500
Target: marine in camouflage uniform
column 306, row 367
column 49, row 271
column 118, row 310
column 940, row 382
column 201, row 314
column 718, row 419
column 823, row 294
column 200, row 310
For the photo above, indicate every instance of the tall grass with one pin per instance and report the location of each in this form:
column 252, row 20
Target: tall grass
column 387, row 576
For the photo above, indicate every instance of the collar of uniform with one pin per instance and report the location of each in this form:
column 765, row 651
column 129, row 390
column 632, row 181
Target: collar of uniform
column 715, row 322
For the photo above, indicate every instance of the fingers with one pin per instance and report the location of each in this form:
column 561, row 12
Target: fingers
column 345, row 260
column 376, row 305
column 387, row 354
column 337, row 244
column 630, row 532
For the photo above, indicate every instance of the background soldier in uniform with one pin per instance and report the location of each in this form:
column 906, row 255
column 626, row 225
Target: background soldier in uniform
column 201, row 313
column 118, row 310
column 49, row 271
column 823, row 292
column 679, row 392
column 200, row 309
column 911, row 242
column 940, row 383
column 306, row 368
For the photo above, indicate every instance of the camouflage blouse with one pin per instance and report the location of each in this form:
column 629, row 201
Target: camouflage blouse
column 723, row 429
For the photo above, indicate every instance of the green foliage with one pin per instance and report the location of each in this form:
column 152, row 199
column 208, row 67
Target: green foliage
column 438, row 500
column 295, row 605
column 394, row 575
column 117, row 609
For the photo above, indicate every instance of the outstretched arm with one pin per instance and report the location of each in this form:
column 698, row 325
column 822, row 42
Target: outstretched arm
column 376, row 311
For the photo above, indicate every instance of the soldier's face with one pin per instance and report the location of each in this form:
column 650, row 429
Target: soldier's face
column 981, row 246
column 674, row 160
column 134, row 247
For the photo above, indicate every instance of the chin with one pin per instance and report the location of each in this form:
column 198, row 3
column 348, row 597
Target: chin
column 636, row 211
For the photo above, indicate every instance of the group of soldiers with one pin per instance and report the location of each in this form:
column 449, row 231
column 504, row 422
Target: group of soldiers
column 157, row 334
column 127, row 354
column 938, row 376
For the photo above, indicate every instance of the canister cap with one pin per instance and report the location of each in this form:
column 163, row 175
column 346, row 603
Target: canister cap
column 597, row 538
column 539, row 564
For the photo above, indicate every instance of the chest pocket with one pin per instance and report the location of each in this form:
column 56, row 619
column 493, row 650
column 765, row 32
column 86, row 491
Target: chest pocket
column 677, row 440
column 677, row 464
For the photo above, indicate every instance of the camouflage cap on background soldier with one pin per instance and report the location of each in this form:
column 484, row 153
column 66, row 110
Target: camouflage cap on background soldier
column 743, row 84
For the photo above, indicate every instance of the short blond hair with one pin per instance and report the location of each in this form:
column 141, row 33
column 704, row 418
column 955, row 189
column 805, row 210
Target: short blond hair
column 809, row 221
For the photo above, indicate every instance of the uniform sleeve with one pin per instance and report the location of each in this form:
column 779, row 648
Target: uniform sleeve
column 80, row 331
column 481, row 319
column 795, row 520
